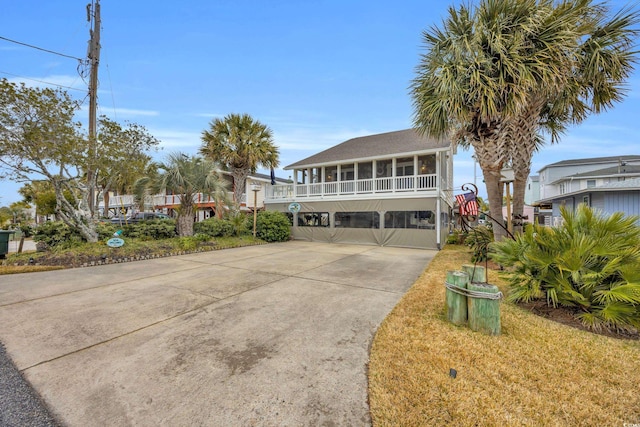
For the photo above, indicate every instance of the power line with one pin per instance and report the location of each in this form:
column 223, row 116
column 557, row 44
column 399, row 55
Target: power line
column 42, row 49
column 42, row 81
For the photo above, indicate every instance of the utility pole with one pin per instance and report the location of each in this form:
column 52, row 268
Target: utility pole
column 93, row 16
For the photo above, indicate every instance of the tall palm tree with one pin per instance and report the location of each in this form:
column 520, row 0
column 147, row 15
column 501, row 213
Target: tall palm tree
column 459, row 91
column 594, row 81
column 495, row 76
column 242, row 144
column 186, row 176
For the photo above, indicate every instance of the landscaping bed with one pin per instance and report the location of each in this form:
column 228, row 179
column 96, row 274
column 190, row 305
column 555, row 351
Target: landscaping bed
column 92, row 254
column 537, row 372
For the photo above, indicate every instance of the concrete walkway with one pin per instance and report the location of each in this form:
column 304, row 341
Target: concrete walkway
column 27, row 245
column 271, row 335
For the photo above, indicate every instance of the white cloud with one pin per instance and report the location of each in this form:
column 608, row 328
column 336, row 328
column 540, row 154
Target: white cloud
column 133, row 112
column 176, row 139
column 210, row 115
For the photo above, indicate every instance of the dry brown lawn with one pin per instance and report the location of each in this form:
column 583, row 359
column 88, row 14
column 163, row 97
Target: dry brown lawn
column 536, row 373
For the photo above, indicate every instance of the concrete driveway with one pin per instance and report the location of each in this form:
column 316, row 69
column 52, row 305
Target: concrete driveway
column 271, row 335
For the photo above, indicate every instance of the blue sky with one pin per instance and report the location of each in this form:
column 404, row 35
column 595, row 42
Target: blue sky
column 316, row 72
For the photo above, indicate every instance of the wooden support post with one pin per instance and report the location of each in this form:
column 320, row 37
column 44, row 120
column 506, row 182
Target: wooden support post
column 477, row 273
column 484, row 314
column 456, row 303
column 509, row 217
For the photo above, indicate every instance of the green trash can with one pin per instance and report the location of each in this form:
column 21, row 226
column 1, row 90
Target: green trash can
column 4, row 242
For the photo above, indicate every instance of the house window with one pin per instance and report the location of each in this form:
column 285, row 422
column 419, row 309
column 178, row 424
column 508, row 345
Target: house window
column 409, row 219
column 357, row 220
column 427, row 164
column 585, row 200
column 316, row 175
column 591, row 183
column 383, row 168
column 313, row 219
column 347, row 172
column 404, row 166
column 365, row 170
column 331, row 173
column 563, row 188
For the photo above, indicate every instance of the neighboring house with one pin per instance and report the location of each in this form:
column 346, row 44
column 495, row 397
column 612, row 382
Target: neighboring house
column 532, row 190
column 569, row 176
column 166, row 203
column 389, row 189
column 608, row 184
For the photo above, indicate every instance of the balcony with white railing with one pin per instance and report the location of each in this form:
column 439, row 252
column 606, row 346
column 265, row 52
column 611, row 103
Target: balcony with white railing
column 167, row 200
column 383, row 187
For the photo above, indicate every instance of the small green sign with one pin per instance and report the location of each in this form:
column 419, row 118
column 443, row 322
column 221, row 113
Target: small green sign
column 115, row 242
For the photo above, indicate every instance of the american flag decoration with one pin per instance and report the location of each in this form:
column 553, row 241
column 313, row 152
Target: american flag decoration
column 467, row 203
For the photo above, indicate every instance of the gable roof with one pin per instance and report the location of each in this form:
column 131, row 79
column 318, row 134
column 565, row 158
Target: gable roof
column 593, row 160
column 383, row 144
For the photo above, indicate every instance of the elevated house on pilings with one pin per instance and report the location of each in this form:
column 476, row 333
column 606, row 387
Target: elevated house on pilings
column 389, row 189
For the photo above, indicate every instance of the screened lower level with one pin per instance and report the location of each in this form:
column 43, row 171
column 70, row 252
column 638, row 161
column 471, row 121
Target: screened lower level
column 414, row 223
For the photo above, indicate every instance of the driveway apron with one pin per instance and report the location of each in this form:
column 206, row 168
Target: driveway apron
column 270, row 335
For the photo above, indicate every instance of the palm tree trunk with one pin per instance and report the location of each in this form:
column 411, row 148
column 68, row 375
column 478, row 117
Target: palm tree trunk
column 494, row 194
column 105, row 198
column 519, row 186
column 523, row 133
column 490, row 154
column 184, row 222
column 239, row 183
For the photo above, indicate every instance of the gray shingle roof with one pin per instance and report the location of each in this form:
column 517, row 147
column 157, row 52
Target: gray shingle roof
column 613, row 170
column 383, row 144
column 593, row 160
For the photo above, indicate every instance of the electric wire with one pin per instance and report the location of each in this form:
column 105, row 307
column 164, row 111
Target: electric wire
column 42, row 49
column 42, row 81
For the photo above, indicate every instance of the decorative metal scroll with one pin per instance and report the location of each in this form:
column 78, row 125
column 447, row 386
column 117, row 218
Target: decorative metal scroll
column 467, row 220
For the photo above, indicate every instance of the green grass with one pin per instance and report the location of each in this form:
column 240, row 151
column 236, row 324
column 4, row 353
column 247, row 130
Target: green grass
column 536, row 373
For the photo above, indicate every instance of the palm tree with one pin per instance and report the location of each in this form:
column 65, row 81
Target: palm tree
column 242, row 144
column 186, row 176
column 499, row 74
column 594, row 81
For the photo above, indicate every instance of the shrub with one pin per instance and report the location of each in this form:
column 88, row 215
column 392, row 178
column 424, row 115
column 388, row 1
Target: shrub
column 57, row 234
column 590, row 263
column 105, row 230
column 188, row 243
column 478, row 240
column 214, row 227
column 456, row 237
column 239, row 221
column 27, row 230
column 154, row 229
column 273, row 226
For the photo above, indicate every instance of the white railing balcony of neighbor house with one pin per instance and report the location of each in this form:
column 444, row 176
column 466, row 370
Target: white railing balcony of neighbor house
column 398, row 184
column 127, row 200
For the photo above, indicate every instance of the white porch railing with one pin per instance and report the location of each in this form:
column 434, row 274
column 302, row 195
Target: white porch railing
column 399, row 184
column 127, row 200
